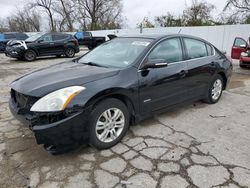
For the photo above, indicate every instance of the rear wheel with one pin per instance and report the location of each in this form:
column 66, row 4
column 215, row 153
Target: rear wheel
column 109, row 123
column 30, row 55
column 215, row 90
column 70, row 52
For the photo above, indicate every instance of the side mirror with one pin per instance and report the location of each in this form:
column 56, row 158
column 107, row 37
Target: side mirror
column 155, row 63
column 40, row 41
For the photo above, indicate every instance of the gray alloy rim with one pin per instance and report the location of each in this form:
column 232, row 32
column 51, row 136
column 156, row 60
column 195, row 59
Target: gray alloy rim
column 29, row 55
column 110, row 125
column 217, row 89
column 70, row 52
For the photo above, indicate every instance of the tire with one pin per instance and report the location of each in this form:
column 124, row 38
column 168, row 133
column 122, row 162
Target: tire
column 108, row 134
column 58, row 56
column 70, row 52
column 215, row 90
column 30, row 55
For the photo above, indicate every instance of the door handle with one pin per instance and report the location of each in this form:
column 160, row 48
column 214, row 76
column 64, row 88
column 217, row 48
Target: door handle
column 52, row 43
column 182, row 73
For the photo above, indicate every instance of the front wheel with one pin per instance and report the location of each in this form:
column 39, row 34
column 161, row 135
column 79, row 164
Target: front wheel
column 109, row 123
column 215, row 90
column 70, row 52
column 30, row 55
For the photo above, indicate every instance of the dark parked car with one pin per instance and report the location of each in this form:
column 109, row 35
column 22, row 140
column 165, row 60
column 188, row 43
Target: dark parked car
column 43, row 44
column 241, row 51
column 6, row 37
column 86, row 38
column 95, row 98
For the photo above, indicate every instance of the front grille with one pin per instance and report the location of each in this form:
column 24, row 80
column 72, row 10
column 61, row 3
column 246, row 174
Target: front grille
column 22, row 102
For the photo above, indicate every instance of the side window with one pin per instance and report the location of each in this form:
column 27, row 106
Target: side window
column 210, row 50
column 170, row 50
column 47, row 38
column 59, row 37
column 87, row 34
column 10, row 36
column 239, row 42
column 195, row 48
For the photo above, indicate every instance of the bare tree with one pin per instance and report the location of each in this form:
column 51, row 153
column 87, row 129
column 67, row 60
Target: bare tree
column 65, row 18
column 169, row 20
column 146, row 23
column 239, row 11
column 241, row 5
column 46, row 5
column 100, row 14
column 24, row 20
column 199, row 13
column 3, row 27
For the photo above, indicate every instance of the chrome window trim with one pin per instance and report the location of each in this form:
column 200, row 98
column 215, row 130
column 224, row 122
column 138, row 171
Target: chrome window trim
column 187, row 60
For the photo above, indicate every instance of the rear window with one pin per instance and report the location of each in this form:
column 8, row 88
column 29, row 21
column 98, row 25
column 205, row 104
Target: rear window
column 210, row 50
column 59, row 37
column 195, row 48
column 21, row 36
column 10, row 36
column 87, row 34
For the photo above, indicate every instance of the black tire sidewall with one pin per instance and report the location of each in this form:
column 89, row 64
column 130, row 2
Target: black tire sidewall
column 95, row 114
column 66, row 52
column 30, row 51
column 209, row 94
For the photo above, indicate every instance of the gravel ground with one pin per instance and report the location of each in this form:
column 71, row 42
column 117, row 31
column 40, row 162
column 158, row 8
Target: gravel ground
column 198, row 145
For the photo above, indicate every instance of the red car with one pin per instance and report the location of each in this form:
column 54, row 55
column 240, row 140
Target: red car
column 241, row 51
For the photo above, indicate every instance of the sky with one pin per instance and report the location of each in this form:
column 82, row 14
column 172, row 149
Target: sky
column 133, row 10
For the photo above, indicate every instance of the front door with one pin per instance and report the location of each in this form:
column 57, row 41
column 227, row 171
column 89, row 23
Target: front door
column 163, row 87
column 239, row 46
column 45, row 45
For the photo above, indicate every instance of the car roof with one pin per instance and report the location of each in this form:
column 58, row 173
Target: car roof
column 159, row 36
column 13, row 33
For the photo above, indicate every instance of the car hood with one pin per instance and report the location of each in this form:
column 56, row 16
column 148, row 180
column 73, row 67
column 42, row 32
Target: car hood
column 46, row 80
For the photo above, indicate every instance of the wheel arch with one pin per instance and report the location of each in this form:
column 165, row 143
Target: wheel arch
column 223, row 75
column 113, row 93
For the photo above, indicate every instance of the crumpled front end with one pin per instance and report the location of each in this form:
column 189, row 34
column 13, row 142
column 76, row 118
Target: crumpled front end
column 15, row 48
column 53, row 128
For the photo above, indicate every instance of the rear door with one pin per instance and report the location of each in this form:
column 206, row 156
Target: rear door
column 201, row 64
column 59, row 41
column 239, row 46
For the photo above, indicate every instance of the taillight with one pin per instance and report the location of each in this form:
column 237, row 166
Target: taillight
column 76, row 42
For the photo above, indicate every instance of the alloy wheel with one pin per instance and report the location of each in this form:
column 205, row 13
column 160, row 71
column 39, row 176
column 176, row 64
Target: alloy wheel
column 110, row 125
column 216, row 89
column 70, row 52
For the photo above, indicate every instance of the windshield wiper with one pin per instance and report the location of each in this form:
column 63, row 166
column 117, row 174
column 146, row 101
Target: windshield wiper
column 94, row 64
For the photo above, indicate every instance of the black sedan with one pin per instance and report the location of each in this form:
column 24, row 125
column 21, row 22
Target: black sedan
column 95, row 98
column 43, row 44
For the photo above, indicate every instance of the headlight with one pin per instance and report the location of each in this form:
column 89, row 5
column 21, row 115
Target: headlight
column 244, row 54
column 57, row 100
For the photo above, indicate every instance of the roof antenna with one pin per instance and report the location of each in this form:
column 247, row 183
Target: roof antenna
column 179, row 31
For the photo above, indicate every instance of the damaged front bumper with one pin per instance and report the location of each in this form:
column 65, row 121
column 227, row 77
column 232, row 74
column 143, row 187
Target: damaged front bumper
column 14, row 52
column 55, row 129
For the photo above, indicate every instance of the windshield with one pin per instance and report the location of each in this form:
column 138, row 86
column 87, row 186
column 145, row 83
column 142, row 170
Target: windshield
column 34, row 37
column 119, row 52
